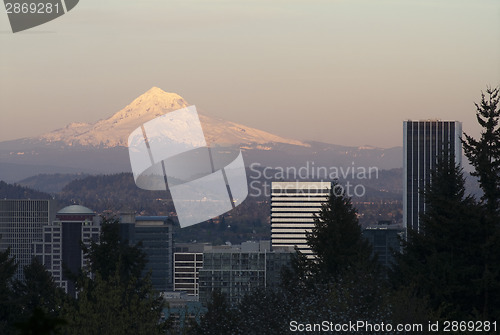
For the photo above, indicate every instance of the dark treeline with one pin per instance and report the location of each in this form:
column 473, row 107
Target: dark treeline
column 9, row 191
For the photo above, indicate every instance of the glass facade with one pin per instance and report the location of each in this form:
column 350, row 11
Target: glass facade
column 155, row 235
column 21, row 224
column 385, row 241
column 236, row 273
column 424, row 142
column 157, row 245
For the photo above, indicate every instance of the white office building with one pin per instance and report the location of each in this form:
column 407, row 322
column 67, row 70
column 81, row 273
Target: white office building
column 293, row 205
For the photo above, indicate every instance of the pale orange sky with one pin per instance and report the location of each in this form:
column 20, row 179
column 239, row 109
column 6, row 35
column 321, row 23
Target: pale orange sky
column 344, row 72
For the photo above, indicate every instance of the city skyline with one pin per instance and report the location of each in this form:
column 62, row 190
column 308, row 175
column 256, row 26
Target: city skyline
column 250, row 166
column 344, row 62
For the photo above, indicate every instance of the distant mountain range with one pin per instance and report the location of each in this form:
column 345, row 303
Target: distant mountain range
column 101, row 147
column 114, row 131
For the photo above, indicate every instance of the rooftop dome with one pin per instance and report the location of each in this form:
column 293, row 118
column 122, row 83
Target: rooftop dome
column 76, row 209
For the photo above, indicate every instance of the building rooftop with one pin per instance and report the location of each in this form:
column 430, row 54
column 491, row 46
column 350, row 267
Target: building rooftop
column 151, row 218
column 76, row 209
column 385, row 227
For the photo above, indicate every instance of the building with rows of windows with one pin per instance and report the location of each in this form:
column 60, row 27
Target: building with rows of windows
column 235, row 270
column 21, row 224
column 424, row 142
column 293, row 205
column 60, row 249
column 188, row 260
column 154, row 233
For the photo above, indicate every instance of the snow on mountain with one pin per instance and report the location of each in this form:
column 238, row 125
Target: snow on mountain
column 114, row 131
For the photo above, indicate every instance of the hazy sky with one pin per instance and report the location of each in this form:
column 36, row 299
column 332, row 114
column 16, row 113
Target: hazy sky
column 345, row 72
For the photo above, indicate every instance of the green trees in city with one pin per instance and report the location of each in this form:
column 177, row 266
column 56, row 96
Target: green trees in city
column 111, row 254
column 439, row 264
column 336, row 239
column 449, row 270
column 220, row 319
column 8, row 305
column 113, row 298
column 31, row 306
column 38, row 291
column 453, row 263
column 484, row 156
column 484, row 153
column 342, row 282
column 344, row 266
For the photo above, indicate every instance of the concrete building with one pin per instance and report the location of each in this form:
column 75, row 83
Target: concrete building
column 181, row 309
column 385, row 239
column 60, row 250
column 155, row 235
column 424, row 142
column 293, row 205
column 188, row 260
column 21, row 224
column 239, row 269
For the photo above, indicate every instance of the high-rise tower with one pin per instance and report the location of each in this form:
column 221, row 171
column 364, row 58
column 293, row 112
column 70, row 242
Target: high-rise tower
column 423, row 143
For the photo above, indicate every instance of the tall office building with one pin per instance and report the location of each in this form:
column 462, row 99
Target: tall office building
column 155, row 235
column 21, row 224
column 60, row 250
column 423, row 142
column 293, row 205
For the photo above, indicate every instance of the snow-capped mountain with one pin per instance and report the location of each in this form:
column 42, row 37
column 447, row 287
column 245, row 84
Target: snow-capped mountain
column 101, row 147
column 115, row 130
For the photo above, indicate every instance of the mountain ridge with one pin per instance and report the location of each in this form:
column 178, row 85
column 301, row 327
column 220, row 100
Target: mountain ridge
column 114, row 131
column 101, row 147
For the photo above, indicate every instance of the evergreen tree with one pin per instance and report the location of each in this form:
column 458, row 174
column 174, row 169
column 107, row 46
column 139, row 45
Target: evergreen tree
column 336, row 238
column 484, row 155
column 40, row 323
column 265, row 311
column 441, row 264
column 220, row 318
column 343, row 279
column 113, row 297
column 111, row 307
column 9, row 307
column 38, row 291
column 111, row 251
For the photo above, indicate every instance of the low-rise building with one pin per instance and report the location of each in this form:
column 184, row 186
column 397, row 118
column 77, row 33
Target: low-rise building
column 235, row 270
column 385, row 239
column 188, row 260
